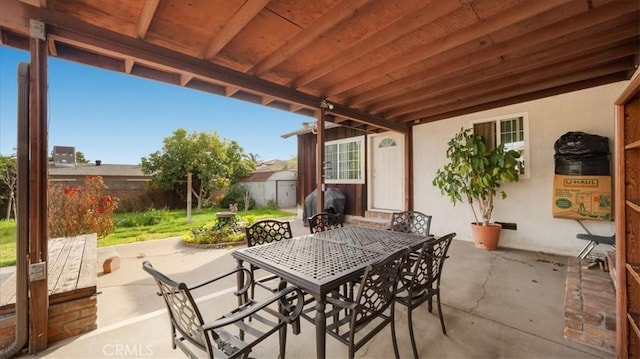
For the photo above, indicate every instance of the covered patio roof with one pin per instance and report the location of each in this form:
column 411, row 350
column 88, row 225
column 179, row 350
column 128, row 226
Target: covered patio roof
column 384, row 65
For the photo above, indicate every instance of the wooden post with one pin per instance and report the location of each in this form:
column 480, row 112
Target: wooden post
column 320, row 158
column 189, row 190
column 408, row 170
column 38, row 232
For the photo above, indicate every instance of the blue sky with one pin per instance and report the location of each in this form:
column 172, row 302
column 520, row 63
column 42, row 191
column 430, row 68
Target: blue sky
column 120, row 118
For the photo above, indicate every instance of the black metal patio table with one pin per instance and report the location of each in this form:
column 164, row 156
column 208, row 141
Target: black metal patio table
column 322, row 262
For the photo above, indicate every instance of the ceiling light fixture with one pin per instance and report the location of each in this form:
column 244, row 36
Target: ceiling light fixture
column 326, row 104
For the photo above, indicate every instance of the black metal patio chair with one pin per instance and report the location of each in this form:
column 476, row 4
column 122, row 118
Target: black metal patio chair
column 192, row 332
column 370, row 310
column 324, row 221
column 420, row 281
column 262, row 232
column 410, row 222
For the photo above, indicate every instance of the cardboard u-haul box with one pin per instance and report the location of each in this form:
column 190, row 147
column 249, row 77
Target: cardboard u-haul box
column 582, row 197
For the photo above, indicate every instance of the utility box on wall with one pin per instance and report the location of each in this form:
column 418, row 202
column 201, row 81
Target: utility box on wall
column 582, row 197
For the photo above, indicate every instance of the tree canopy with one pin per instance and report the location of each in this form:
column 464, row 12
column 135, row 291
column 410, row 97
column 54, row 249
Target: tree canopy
column 214, row 162
column 8, row 182
column 80, row 158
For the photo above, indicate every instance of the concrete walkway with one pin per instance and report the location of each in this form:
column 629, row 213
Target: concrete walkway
column 500, row 304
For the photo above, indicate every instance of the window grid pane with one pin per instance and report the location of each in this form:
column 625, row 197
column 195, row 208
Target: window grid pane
column 512, row 135
column 331, row 160
column 344, row 161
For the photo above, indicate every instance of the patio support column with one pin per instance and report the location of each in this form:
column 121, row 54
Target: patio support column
column 320, row 157
column 408, row 170
column 38, row 236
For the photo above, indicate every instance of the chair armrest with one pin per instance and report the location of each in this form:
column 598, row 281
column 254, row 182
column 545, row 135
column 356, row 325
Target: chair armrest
column 342, row 303
column 281, row 295
column 245, row 287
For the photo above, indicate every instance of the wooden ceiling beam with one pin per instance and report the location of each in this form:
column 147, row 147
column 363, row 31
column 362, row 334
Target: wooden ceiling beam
column 460, row 61
column 230, row 90
column 519, row 83
column 238, row 21
column 38, row 3
column 295, row 107
column 539, row 63
column 451, row 62
column 474, row 98
column 305, row 37
column 482, row 28
column 148, row 11
column 604, row 13
column 11, row 39
column 51, row 44
column 16, row 15
column 575, row 86
column 129, row 62
column 414, row 21
column 185, row 78
column 267, row 100
column 506, row 80
column 89, row 58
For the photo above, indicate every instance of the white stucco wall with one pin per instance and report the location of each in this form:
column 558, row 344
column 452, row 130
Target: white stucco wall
column 529, row 201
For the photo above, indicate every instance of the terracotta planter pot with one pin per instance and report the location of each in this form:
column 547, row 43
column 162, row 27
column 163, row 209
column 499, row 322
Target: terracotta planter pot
column 486, row 237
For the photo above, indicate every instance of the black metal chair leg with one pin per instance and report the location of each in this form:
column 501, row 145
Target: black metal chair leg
column 393, row 335
column 413, row 339
column 444, row 330
column 283, row 342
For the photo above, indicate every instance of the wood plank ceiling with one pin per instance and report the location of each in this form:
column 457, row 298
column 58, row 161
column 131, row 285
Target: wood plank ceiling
column 385, row 65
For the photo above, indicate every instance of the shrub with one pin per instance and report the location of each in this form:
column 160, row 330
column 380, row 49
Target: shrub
column 272, row 204
column 236, row 194
column 75, row 210
column 218, row 232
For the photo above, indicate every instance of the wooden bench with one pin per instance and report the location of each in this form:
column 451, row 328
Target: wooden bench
column 71, row 279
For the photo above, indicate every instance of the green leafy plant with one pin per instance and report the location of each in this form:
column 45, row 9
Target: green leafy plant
column 217, row 232
column 236, row 194
column 75, row 210
column 475, row 172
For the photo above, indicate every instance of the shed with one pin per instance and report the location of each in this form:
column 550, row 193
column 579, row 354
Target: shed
column 272, row 187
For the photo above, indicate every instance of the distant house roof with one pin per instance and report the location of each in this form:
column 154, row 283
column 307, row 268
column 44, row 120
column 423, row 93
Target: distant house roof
column 274, row 165
column 91, row 169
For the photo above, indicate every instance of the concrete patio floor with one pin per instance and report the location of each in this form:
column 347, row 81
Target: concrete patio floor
column 499, row 304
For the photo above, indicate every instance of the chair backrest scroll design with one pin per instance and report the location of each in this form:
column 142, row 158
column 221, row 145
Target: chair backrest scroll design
column 411, row 222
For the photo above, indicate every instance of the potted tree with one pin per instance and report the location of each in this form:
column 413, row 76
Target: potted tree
column 476, row 173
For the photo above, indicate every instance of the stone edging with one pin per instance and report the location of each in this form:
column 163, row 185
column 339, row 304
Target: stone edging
column 214, row 245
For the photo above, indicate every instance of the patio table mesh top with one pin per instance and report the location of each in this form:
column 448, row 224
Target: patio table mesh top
column 313, row 258
column 378, row 240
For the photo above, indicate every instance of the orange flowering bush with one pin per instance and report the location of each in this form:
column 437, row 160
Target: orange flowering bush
column 75, row 210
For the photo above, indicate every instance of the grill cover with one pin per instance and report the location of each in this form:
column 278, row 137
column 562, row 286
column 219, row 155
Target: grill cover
column 334, row 202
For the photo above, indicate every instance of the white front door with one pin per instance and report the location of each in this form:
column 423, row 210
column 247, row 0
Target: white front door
column 386, row 172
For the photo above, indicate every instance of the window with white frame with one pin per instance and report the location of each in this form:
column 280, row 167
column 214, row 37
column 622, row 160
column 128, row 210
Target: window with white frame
column 512, row 130
column 344, row 160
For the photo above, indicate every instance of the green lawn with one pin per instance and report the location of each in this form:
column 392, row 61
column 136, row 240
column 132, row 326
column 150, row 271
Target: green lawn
column 170, row 223
column 7, row 243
